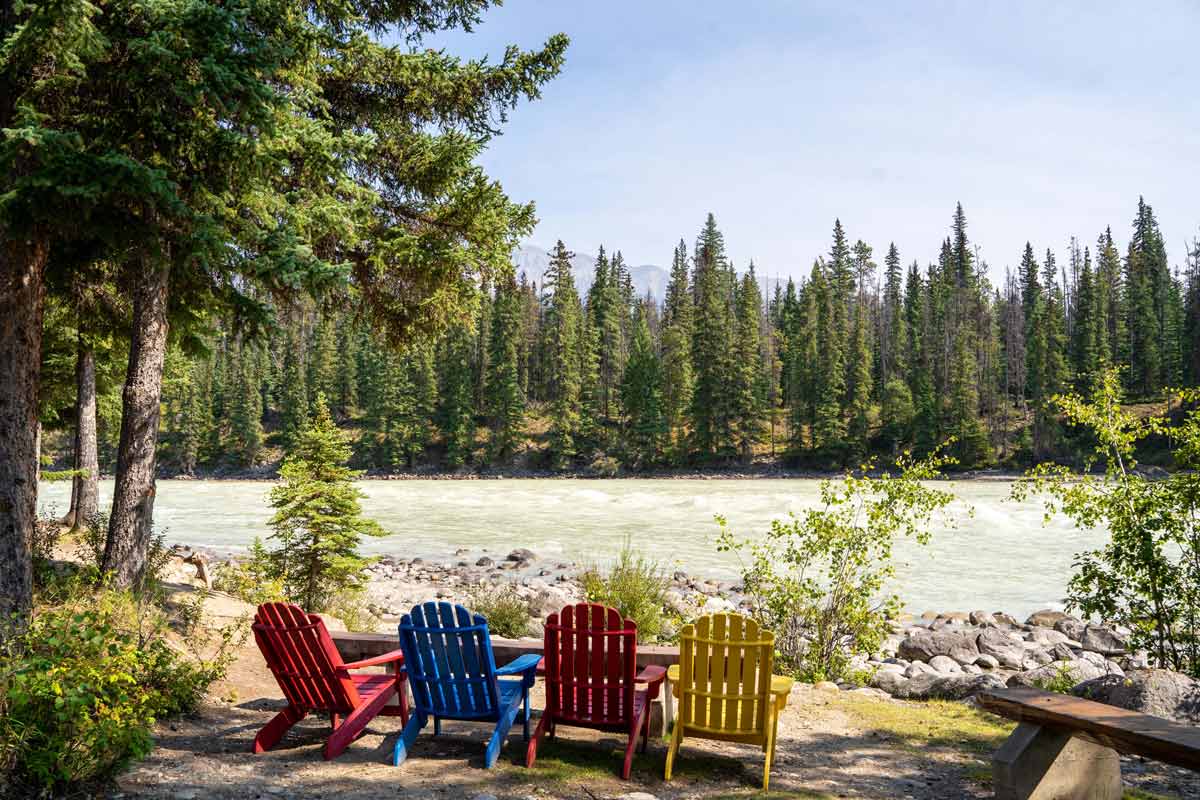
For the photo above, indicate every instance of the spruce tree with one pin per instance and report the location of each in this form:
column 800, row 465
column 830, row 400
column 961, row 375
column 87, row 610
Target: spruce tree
column 245, row 420
column 893, row 344
column 456, row 407
column 321, row 360
column 318, row 523
column 1085, row 355
column 748, row 400
column 505, row 404
column 712, row 347
column 678, row 375
column 642, row 400
column 1147, row 284
column 293, row 404
column 563, row 327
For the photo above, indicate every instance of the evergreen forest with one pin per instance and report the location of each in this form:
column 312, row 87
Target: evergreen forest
column 867, row 355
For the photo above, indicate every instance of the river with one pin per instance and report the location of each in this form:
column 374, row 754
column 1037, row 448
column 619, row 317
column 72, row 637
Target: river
column 1000, row 558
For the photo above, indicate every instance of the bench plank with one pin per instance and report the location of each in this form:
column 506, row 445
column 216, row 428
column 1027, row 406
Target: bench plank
column 1125, row 731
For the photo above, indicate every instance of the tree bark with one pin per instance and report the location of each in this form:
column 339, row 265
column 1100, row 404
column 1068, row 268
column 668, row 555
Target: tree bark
column 132, row 518
column 22, row 295
column 85, row 487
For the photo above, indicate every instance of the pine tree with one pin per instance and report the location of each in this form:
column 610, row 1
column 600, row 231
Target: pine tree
column 318, row 523
column 678, row 377
column 1191, row 317
column 604, row 313
column 1147, row 284
column 1110, row 306
column 829, row 426
column 642, row 400
column 345, row 394
column 893, row 344
column 505, row 405
column 245, row 419
column 321, row 361
column 456, row 409
column 1085, row 354
column 712, row 347
column 293, row 404
column 563, row 328
column 859, row 405
column 748, row 400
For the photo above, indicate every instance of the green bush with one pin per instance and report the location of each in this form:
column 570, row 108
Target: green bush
column 637, row 587
column 254, row 580
column 506, row 613
column 818, row 579
column 82, row 687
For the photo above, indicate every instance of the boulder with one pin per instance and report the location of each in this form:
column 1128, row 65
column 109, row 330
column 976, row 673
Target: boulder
column 1063, row 652
column 1046, row 618
column 926, row 645
column 1047, row 637
column 986, row 661
column 1006, row 619
column 1076, row 671
column 1070, row 627
column 1035, row 657
column 1106, row 641
column 1159, row 692
column 888, row 681
column 918, row 668
column 484, row 562
column 945, row 665
column 983, row 619
column 1008, row 650
column 947, row 687
column 521, row 554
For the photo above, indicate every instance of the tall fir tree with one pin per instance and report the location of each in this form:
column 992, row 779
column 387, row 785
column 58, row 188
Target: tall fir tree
column 712, row 347
column 505, row 404
column 642, row 399
column 563, row 331
column 678, row 376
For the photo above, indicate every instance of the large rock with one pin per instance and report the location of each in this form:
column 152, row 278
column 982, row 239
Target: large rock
column 933, row 686
column 1075, row 670
column 924, row 646
column 1071, row 627
column 1047, row 637
column 1008, row 650
column 1104, row 641
column 946, row 665
column 983, row 619
column 889, row 681
column 521, row 554
column 1046, row 618
column 1159, row 692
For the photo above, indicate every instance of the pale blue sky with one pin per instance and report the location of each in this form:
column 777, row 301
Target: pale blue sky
column 1046, row 119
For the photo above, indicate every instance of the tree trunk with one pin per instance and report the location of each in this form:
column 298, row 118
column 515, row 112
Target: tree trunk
column 132, row 518
column 85, row 487
column 22, row 292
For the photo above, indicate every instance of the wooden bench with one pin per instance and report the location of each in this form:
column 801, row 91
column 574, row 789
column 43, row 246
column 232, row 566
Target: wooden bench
column 1066, row 748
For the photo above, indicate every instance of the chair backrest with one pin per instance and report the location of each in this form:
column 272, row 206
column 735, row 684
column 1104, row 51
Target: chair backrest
column 725, row 666
column 302, row 657
column 448, row 657
column 591, row 661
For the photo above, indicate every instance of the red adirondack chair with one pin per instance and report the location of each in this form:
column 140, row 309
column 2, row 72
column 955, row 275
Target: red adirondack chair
column 592, row 679
column 313, row 678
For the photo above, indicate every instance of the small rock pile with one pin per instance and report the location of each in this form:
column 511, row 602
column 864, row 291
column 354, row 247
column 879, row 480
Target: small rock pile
column 956, row 655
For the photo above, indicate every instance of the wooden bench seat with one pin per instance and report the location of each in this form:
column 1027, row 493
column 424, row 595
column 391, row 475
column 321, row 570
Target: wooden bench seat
column 1066, row 748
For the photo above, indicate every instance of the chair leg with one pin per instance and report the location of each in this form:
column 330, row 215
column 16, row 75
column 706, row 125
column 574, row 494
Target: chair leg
column 531, row 750
column 634, row 730
column 646, row 730
column 437, row 726
column 769, row 749
column 497, row 741
column 274, row 730
column 407, row 736
column 402, row 691
column 525, row 713
column 676, row 739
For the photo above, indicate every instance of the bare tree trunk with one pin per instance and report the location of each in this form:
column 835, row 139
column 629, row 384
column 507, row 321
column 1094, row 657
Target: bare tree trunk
column 22, row 295
column 132, row 518
column 85, row 487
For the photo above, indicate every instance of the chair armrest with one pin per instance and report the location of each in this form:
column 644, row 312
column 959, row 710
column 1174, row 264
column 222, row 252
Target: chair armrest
column 673, row 678
column 521, row 665
column 653, row 676
column 781, row 687
column 386, row 658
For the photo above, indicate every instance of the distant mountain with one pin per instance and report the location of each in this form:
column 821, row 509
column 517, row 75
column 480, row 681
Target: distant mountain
column 534, row 261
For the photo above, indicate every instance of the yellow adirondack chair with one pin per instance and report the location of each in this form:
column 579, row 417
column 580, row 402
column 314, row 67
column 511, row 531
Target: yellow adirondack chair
column 725, row 687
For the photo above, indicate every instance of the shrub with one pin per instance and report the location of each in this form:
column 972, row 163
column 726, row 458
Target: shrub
column 253, row 580
column 817, row 580
column 506, row 613
column 1147, row 577
column 351, row 607
column 84, row 684
column 634, row 586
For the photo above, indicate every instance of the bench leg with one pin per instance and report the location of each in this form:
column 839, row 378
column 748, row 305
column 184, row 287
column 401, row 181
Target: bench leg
column 1037, row 763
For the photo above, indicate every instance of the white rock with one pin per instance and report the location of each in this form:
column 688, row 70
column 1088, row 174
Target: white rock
column 945, row 665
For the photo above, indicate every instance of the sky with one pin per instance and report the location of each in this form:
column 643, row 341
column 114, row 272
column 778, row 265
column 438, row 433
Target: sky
column 1046, row 120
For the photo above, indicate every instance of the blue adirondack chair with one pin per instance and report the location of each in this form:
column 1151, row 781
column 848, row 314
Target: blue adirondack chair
column 453, row 675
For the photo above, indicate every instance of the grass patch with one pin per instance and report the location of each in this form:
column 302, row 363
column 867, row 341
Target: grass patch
column 934, row 723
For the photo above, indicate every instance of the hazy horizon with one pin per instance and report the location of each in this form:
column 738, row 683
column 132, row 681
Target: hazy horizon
column 1045, row 122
